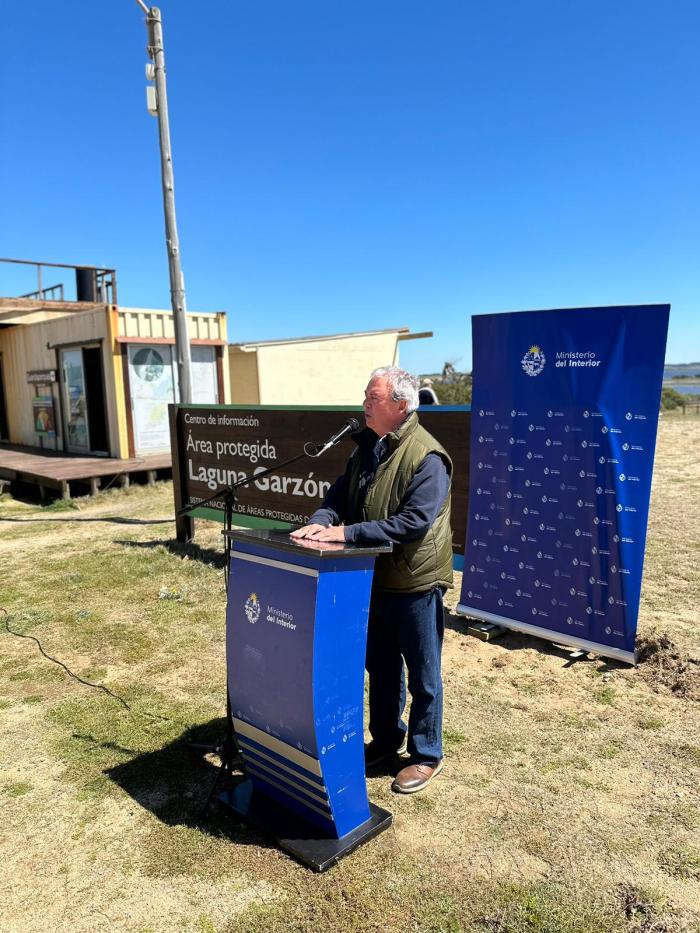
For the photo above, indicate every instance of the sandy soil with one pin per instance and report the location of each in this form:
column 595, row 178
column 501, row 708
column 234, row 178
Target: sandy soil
column 583, row 770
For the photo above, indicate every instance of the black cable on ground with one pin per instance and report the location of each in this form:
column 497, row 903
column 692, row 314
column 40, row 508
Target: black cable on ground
column 107, row 518
column 68, row 671
column 219, row 749
column 89, row 683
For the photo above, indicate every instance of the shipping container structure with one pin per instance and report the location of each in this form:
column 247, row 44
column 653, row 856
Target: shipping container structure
column 86, row 376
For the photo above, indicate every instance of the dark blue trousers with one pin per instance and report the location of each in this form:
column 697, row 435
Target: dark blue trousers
column 406, row 627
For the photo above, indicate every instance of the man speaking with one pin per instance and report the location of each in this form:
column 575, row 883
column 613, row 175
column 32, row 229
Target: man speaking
column 396, row 487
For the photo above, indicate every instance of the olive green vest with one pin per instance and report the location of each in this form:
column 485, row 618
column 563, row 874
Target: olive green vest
column 419, row 565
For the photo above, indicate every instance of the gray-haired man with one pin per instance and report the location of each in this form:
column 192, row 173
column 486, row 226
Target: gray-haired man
column 396, row 487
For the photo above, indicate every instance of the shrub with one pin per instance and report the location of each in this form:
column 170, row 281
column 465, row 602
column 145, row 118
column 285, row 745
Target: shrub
column 458, row 392
column 670, row 399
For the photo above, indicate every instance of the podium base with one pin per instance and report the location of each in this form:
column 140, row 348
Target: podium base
column 293, row 834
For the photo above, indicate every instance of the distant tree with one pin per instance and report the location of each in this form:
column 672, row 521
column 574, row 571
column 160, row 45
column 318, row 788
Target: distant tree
column 449, row 373
column 670, row 399
column 456, row 392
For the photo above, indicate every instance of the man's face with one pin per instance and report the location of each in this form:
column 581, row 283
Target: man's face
column 382, row 413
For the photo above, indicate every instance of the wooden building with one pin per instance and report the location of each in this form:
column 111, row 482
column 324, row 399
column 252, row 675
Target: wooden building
column 93, row 378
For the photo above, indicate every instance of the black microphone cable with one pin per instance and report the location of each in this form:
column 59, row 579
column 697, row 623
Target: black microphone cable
column 81, row 680
column 217, row 750
column 68, row 671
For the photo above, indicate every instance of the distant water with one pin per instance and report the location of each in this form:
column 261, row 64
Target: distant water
column 690, row 385
column 683, row 389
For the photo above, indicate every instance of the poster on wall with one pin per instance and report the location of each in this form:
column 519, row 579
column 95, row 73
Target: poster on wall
column 152, row 387
column 43, row 413
column 564, row 416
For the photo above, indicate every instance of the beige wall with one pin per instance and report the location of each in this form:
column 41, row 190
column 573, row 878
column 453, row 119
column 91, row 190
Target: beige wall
column 243, row 373
column 314, row 372
column 24, row 348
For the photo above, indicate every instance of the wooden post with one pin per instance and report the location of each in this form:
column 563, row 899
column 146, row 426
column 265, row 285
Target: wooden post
column 94, row 485
column 65, row 489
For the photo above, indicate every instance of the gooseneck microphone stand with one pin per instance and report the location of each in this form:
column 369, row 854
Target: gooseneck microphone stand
column 228, row 748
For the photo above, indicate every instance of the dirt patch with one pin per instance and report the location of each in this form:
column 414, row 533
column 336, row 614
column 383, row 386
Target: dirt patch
column 664, row 666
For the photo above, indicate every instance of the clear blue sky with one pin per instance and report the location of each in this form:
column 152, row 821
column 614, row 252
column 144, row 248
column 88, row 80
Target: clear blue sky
column 350, row 166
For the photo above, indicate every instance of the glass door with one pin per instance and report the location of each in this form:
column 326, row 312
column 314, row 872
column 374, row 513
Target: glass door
column 77, row 436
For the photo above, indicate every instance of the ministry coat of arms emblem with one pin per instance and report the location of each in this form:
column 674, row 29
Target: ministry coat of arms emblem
column 252, row 608
column 533, row 361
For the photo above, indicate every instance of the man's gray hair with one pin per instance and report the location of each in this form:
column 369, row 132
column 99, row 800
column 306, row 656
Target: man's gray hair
column 402, row 384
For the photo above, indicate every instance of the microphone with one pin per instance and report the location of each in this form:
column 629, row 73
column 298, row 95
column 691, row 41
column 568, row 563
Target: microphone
column 351, row 425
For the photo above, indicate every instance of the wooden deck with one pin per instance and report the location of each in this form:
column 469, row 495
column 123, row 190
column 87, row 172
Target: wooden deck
column 49, row 469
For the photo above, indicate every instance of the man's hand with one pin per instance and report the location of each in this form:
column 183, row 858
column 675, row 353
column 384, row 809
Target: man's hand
column 320, row 533
column 332, row 533
column 308, row 531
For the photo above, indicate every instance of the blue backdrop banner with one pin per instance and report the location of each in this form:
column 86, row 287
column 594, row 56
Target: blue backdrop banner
column 564, row 415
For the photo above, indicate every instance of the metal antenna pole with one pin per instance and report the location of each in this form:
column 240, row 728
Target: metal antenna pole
column 177, row 282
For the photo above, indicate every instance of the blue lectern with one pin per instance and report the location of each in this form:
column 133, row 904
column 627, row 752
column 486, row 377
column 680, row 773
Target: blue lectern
column 296, row 628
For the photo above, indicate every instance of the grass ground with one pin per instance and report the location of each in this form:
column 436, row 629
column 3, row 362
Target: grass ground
column 568, row 803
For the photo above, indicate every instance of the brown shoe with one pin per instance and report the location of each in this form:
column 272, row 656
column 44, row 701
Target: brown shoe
column 415, row 777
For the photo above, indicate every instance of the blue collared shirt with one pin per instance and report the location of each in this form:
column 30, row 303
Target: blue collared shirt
column 417, row 511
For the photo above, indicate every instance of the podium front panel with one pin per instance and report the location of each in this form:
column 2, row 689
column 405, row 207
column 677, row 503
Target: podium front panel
column 272, row 609
column 296, row 635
